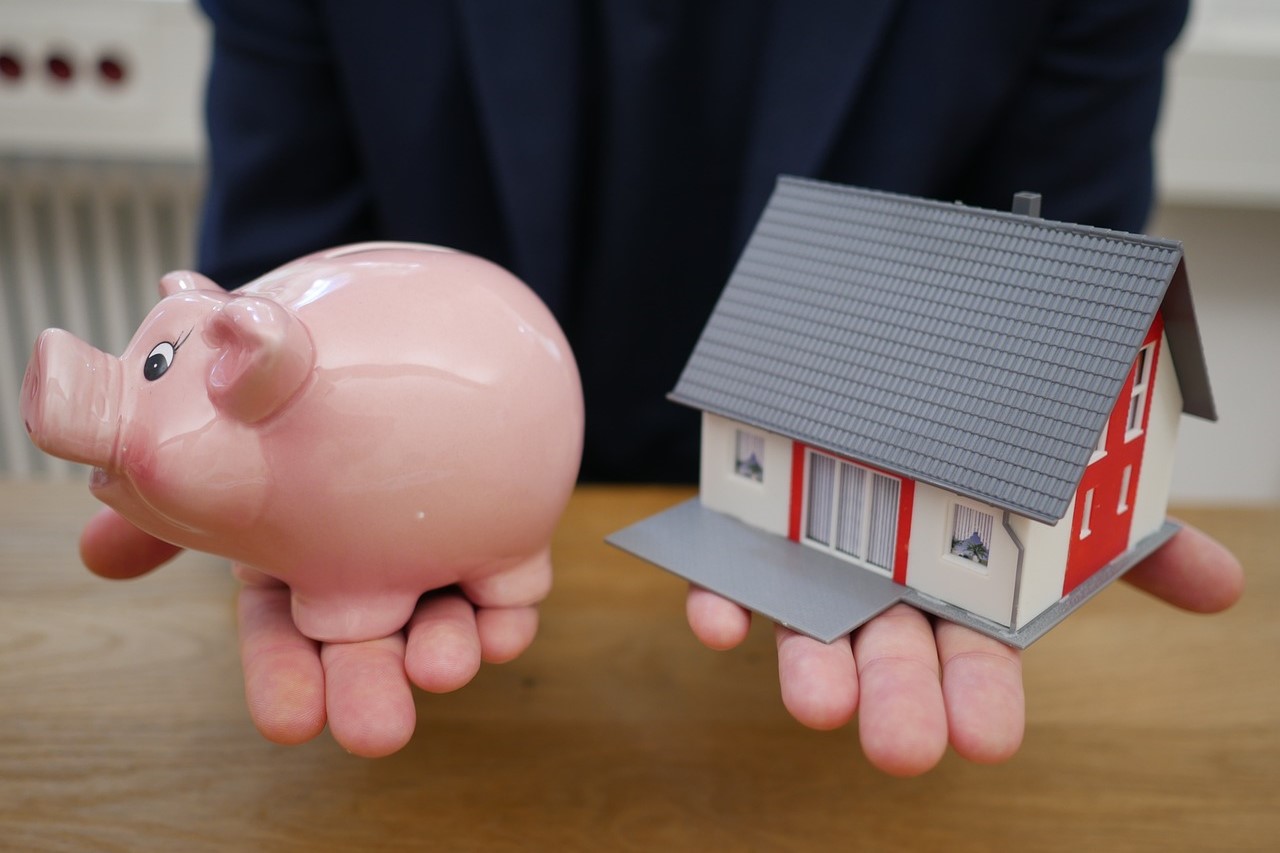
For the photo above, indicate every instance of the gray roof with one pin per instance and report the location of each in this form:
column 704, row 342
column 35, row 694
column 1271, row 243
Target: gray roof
column 976, row 350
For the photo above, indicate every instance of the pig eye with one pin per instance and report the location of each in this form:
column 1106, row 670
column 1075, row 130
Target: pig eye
column 158, row 361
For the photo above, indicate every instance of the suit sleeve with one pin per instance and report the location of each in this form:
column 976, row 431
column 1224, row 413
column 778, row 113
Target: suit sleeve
column 284, row 178
column 1079, row 128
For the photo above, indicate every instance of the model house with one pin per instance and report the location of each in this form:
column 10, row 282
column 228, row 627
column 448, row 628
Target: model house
column 970, row 410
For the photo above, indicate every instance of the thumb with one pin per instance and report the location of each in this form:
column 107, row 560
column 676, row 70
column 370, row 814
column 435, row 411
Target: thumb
column 114, row 548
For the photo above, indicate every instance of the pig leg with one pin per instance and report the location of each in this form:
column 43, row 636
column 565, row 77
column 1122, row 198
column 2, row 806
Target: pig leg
column 506, row 615
column 113, row 547
column 519, row 584
column 349, row 616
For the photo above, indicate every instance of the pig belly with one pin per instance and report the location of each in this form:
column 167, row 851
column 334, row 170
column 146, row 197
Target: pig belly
column 359, row 577
column 371, row 513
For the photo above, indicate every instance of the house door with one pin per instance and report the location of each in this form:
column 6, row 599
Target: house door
column 851, row 511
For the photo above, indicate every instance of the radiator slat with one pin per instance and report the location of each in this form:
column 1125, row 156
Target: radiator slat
column 117, row 315
column 32, row 280
column 147, row 244
column 16, row 458
column 35, row 281
column 73, row 288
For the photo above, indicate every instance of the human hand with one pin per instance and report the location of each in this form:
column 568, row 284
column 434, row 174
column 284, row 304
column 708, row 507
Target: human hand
column 295, row 686
column 918, row 684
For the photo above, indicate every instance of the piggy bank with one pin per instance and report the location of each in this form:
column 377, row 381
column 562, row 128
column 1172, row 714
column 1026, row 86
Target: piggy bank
column 364, row 424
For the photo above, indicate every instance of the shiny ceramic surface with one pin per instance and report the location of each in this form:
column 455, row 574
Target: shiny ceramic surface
column 365, row 424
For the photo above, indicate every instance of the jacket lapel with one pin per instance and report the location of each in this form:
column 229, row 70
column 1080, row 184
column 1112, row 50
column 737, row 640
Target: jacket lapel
column 814, row 66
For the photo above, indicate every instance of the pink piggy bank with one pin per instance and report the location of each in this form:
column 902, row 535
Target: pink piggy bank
column 365, row 424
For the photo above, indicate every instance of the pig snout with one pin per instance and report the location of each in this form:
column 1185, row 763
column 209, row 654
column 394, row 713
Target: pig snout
column 71, row 397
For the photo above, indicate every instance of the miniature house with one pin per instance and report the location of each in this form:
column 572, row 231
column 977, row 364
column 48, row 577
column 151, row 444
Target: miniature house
column 969, row 410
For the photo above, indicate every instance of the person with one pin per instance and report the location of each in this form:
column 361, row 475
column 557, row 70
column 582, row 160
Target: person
column 615, row 155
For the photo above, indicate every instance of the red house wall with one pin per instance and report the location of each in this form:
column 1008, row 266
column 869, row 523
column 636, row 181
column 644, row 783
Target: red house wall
column 1110, row 514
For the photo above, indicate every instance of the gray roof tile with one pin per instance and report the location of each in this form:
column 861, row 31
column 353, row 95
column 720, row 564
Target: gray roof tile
column 976, row 350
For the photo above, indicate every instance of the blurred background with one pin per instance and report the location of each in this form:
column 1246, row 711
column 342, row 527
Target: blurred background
column 1219, row 193
column 100, row 152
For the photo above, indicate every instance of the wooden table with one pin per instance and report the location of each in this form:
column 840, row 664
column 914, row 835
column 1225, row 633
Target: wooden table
column 122, row 724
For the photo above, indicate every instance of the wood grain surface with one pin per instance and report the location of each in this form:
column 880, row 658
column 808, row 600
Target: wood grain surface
column 122, row 724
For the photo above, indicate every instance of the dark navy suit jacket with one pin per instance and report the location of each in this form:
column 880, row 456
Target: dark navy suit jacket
column 616, row 154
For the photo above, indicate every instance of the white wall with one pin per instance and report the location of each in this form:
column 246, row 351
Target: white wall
column 765, row 504
column 1045, row 567
column 1155, row 471
column 150, row 112
column 1219, row 178
column 984, row 590
column 1233, row 263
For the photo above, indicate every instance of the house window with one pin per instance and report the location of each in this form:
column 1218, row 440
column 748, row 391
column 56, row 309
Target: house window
column 971, row 534
column 1138, row 393
column 1086, row 515
column 1101, row 450
column 852, row 511
column 748, row 456
column 1125, row 479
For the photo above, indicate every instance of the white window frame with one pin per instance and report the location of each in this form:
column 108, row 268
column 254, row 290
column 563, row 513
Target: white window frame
column 1138, row 392
column 987, row 522
column 757, row 443
column 1100, row 451
column 1126, row 481
column 1086, row 515
column 876, row 497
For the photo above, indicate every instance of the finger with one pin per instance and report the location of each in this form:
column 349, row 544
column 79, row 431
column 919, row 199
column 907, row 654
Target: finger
column 252, row 577
column 367, row 694
column 982, row 692
column 505, row 632
column 1192, row 571
column 902, row 721
column 443, row 650
column 819, row 681
column 114, row 548
column 283, row 681
column 717, row 622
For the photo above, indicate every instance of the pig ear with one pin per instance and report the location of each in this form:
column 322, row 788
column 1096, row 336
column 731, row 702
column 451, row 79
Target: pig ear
column 184, row 280
column 265, row 356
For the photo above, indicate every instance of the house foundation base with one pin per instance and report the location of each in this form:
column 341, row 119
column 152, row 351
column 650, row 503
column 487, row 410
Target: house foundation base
column 815, row 593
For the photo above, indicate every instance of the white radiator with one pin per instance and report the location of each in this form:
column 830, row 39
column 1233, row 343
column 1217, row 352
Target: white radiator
column 82, row 247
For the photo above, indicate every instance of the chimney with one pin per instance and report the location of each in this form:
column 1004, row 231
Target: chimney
column 1026, row 204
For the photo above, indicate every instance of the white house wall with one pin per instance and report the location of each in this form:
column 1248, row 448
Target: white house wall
column 765, row 504
column 984, row 590
column 1156, row 474
column 1044, row 566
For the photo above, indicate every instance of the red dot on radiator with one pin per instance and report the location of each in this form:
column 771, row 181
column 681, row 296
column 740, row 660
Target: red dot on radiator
column 111, row 69
column 10, row 66
column 60, row 68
